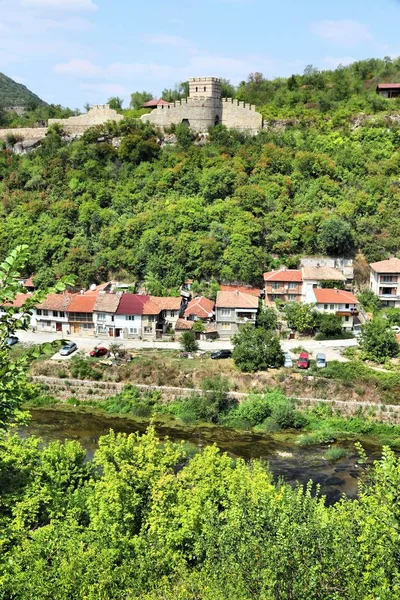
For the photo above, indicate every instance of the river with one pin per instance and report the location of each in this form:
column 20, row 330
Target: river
column 286, row 459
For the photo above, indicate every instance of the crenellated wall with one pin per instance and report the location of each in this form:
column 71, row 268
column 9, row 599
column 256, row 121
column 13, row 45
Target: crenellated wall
column 242, row 116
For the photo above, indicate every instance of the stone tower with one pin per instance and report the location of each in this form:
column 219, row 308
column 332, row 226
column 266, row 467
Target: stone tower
column 205, row 100
column 205, row 87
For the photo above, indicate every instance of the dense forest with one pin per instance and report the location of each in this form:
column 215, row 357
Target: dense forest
column 16, row 94
column 120, row 203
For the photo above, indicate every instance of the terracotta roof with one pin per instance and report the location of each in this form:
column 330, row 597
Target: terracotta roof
column 19, row 300
column 388, row 86
column 236, row 299
column 284, row 275
column 167, row 302
column 107, row 303
column 322, row 274
column 154, row 102
column 56, row 302
column 82, row 303
column 332, row 296
column 151, row 308
column 29, row 282
column 181, row 325
column 131, row 304
column 211, row 328
column 200, row 307
column 240, row 288
column 392, row 265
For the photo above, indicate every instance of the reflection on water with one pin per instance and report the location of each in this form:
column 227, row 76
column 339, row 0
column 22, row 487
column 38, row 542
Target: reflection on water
column 286, row 459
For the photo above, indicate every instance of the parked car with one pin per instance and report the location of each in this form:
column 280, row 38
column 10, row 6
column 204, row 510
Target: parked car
column 221, row 354
column 320, row 361
column 99, row 352
column 288, row 361
column 68, row 349
column 303, row 362
column 12, row 340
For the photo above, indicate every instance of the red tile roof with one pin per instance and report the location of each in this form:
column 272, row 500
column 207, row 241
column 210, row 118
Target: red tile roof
column 332, row 296
column 19, row 300
column 392, row 265
column 56, row 302
column 322, row 273
column 181, row 325
column 284, row 275
column 167, row 302
column 132, row 304
column 29, row 282
column 200, row 307
column 151, row 308
column 240, row 288
column 82, row 303
column 154, row 103
column 107, row 303
column 236, row 299
column 388, row 86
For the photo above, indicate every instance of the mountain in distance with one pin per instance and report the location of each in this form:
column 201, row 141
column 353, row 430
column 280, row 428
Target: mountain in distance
column 15, row 94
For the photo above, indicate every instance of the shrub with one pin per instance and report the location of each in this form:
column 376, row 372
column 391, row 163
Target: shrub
column 256, row 349
column 189, row 342
column 335, row 453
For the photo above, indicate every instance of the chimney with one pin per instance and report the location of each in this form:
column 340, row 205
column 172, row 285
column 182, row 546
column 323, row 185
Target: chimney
column 82, row 292
column 336, row 290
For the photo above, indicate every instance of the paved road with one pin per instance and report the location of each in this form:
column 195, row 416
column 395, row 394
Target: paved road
column 332, row 349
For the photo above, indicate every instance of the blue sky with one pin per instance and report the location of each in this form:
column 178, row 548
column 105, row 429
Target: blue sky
column 74, row 51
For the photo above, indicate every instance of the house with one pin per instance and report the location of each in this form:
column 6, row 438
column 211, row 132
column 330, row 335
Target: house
column 233, row 310
column 385, row 281
column 199, row 308
column 104, row 310
column 152, row 325
column 51, row 315
column 315, row 277
column 154, row 103
column 388, row 90
column 344, row 265
column 170, row 309
column 80, row 314
column 19, row 300
column 338, row 302
column 246, row 289
column 285, row 285
column 129, row 315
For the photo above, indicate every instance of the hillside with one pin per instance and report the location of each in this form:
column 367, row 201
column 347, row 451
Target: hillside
column 16, row 94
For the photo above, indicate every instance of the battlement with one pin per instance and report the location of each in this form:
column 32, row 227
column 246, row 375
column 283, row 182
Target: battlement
column 100, row 107
column 236, row 102
column 201, row 79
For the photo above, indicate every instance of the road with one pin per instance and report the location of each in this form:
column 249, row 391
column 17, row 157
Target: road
column 331, row 348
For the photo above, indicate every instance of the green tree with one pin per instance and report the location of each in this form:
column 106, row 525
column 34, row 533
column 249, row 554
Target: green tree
column 377, row 341
column 115, row 103
column 330, row 325
column 189, row 342
column 336, row 237
column 140, row 98
column 256, row 349
column 300, row 317
column 369, row 301
column 267, row 318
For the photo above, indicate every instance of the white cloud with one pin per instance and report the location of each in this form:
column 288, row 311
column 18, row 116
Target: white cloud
column 81, row 68
column 173, row 41
column 344, row 33
column 62, row 5
column 333, row 61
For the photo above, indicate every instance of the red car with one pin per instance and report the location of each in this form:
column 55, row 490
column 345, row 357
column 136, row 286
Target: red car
column 303, row 362
column 99, row 352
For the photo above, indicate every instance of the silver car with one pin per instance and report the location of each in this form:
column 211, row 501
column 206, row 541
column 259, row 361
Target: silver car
column 68, row 349
column 288, row 364
column 320, row 361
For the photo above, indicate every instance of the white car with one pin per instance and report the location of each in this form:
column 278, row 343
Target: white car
column 288, row 364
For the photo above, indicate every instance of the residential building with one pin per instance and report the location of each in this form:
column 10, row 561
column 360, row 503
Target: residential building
column 129, row 315
column 233, row 310
column 19, row 300
column 344, row 265
column 152, row 325
column 80, row 314
column 314, row 277
column 338, row 302
column 199, row 308
column 51, row 315
column 285, row 285
column 385, row 281
column 170, row 310
column 104, row 310
column 388, row 90
column 246, row 289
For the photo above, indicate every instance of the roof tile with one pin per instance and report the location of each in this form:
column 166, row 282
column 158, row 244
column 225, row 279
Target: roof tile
column 322, row 274
column 201, row 307
column 333, row 296
column 284, row 275
column 392, row 265
column 236, row 299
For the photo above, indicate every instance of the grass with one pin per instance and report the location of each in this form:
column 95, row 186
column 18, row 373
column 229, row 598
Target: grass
column 335, row 453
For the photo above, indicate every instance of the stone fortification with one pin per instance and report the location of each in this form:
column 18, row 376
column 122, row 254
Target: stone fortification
column 74, row 126
column 204, row 108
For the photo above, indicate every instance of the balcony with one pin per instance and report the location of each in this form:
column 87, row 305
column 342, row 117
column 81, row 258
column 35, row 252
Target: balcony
column 347, row 313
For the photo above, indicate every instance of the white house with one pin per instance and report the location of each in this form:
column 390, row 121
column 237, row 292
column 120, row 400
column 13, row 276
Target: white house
column 51, row 315
column 385, row 281
column 104, row 311
column 337, row 302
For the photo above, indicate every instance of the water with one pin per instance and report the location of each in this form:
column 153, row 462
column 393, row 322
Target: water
column 285, row 457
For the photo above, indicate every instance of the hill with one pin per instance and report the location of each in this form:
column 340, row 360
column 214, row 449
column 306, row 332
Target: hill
column 16, row 94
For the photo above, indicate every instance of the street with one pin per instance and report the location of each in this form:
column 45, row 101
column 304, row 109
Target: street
column 331, row 348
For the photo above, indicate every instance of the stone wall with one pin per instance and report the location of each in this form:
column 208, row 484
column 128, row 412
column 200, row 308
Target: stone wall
column 97, row 115
column 242, row 116
column 24, row 133
column 198, row 113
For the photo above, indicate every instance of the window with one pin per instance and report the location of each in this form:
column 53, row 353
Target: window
column 276, row 285
column 55, row 313
column 197, row 89
column 132, row 330
column 225, row 312
column 292, row 285
column 101, row 317
column 38, row 311
column 130, row 317
column 45, row 313
column 148, row 330
column 151, row 318
column 314, row 286
column 346, row 318
column 172, row 314
column 292, row 297
column 87, row 326
column 387, row 278
column 332, row 306
column 325, row 307
column 61, row 314
column 347, row 305
column 225, row 326
column 205, row 89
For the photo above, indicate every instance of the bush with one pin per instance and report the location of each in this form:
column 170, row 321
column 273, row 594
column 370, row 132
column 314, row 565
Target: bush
column 256, row 349
column 335, row 453
column 189, row 342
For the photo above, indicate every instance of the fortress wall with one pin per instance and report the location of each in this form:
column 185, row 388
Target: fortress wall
column 242, row 116
column 97, row 115
column 200, row 112
column 25, row 133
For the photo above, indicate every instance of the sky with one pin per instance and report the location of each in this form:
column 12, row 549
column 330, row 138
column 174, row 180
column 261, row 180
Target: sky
column 72, row 52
